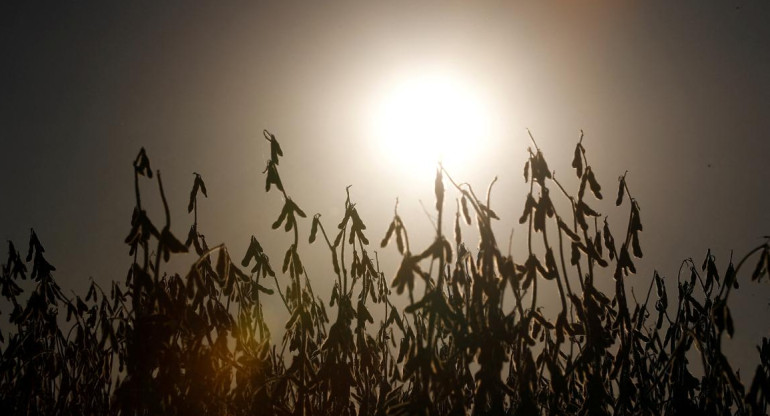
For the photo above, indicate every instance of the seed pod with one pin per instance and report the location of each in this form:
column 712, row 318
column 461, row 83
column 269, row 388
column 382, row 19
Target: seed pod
column 730, row 276
column 575, row 254
column 528, row 205
column 636, row 221
column 439, row 189
column 582, row 189
column 539, row 220
column 550, row 263
column 595, row 187
column 313, row 229
column 635, row 245
column 567, row 230
column 526, row 171
column 458, row 231
column 577, row 161
column 609, row 241
column 624, row 260
column 587, row 210
column 286, row 260
column 466, row 214
column 598, row 243
column 761, row 266
column 388, row 234
column 399, row 240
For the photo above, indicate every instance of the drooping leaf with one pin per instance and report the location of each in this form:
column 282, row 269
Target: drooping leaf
column 34, row 245
column 762, row 265
column 405, row 274
column 272, row 177
column 142, row 164
column 275, row 148
column 198, row 185
column 170, row 244
column 253, row 252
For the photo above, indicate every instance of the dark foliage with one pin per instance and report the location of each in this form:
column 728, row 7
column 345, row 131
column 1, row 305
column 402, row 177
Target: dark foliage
column 474, row 341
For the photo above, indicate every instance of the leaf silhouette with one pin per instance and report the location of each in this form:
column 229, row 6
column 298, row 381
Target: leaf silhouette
column 142, row 164
column 197, row 185
column 170, row 244
column 405, row 274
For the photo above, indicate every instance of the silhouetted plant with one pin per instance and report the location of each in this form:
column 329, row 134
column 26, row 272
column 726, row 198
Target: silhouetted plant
column 474, row 338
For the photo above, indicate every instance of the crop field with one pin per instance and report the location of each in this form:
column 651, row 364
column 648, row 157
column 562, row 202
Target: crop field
column 472, row 340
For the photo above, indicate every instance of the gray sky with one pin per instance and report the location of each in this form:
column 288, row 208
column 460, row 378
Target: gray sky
column 677, row 93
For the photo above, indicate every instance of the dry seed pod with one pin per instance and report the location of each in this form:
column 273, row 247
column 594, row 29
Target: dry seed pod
column 575, row 254
column 598, row 242
column 609, row 241
column 526, row 171
column 540, row 211
column 313, row 229
column 577, row 161
column 528, row 206
column 458, row 231
column 466, row 213
column 572, row 235
column 582, row 189
column 399, row 240
column 595, row 188
column 197, row 185
column 637, row 249
column 388, row 234
column 439, row 190
column 636, row 221
column 286, row 260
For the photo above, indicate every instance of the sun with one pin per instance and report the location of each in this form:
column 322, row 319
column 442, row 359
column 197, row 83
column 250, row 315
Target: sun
column 425, row 119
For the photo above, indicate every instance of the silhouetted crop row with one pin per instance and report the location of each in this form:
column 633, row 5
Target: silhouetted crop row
column 472, row 340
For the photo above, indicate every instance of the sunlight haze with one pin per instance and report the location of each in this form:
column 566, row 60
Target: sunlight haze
column 373, row 95
column 430, row 117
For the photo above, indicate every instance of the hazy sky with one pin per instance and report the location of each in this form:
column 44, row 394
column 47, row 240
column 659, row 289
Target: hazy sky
column 677, row 93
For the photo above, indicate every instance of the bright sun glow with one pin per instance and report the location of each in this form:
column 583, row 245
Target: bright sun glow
column 423, row 120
